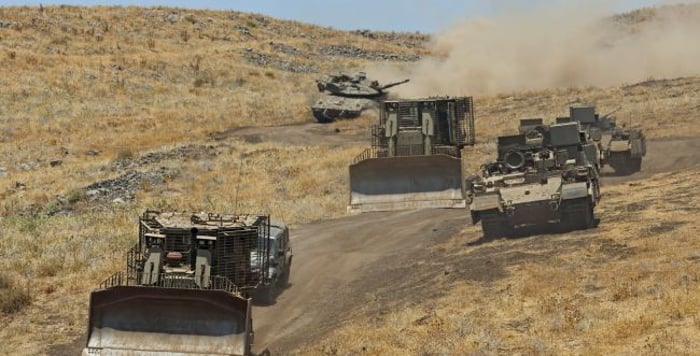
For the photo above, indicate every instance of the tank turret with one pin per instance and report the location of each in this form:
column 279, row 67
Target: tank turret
column 347, row 95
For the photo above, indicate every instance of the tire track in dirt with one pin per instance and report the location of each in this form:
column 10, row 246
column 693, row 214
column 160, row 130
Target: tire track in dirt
column 663, row 155
column 298, row 134
column 337, row 262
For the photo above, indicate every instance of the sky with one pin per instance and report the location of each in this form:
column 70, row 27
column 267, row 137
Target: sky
column 387, row 15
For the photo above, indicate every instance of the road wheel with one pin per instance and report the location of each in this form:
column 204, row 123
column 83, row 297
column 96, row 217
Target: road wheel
column 284, row 279
column 321, row 117
column 266, row 294
column 634, row 165
column 626, row 165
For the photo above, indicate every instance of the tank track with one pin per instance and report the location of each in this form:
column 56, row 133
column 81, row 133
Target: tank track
column 577, row 214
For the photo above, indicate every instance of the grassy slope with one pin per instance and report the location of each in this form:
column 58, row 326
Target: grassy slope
column 630, row 286
column 126, row 81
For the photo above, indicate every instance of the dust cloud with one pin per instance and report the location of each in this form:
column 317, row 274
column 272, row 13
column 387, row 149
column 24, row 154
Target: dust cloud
column 555, row 46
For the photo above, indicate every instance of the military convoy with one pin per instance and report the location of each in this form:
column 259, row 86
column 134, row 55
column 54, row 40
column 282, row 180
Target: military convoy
column 188, row 283
column 191, row 277
column 347, row 95
column 544, row 175
column 621, row 148
column 416, row 156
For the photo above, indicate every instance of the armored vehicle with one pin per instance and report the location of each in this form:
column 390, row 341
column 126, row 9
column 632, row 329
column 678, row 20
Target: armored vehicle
column 347, row 95
column 622, row 148
column 187, row 285
column 416, row 156
column 544, row 175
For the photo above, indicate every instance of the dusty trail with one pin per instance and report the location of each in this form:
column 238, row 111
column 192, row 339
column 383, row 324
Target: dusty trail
column 299, row 134
column 663, row 155
column 338, row 263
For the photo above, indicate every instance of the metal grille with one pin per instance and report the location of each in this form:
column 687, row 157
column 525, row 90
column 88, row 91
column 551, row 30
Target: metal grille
column 410, row 144
column 377, row 135
column 446, row 150
column 240, row 251
column 367, row 154
column 465, row 122
column 134, row 258
column 166, row 280
column 233, row 253
column 178, row 240
column 453, row 124
column 408, row 115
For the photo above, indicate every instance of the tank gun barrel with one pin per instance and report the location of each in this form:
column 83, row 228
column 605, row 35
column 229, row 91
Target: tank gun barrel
column 391, row 85
column 612, row 112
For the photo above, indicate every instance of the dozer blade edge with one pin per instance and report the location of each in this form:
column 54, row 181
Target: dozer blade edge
column 406, row 182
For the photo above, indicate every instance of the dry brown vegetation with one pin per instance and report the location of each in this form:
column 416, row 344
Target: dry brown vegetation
column 629, row 286
column 87, row 93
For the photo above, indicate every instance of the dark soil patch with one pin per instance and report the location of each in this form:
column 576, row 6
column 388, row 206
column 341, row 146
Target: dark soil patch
column 612, row 249
column 661, row 228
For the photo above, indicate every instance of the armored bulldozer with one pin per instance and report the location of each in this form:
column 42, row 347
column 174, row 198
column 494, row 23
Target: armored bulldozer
column 622, row 148
column 187, row 285
column 545, row 175
column 416, row 156
column 347, row 95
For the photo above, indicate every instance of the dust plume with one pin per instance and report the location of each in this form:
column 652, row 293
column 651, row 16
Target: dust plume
column 556, row 46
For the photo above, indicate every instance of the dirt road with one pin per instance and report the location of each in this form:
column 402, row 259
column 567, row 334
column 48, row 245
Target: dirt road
column 339, row 263
column 300, row 134
column 663, row 155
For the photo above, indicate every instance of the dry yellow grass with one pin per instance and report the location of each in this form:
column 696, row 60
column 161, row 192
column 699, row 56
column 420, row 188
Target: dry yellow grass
column 126, row 81
column 631, row 286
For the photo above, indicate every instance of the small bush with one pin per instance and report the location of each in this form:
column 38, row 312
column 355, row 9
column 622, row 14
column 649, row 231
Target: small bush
column 5, row 282
column 12, row 298
column 76, row 195
column 125, row 155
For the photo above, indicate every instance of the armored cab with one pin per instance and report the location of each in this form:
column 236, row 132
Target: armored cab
column 347, row 95
column 621, row 148
column 187, row 285
column 415, row 160
column 545, row 175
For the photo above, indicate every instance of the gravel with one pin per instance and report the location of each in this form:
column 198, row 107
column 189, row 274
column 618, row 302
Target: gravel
column 287, row 49
column 265, row 60
column 183, row 152
column 124, row 187
column 357, row 52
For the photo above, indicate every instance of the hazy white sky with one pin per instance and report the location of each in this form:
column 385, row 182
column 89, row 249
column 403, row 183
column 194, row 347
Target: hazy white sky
column 392, row 15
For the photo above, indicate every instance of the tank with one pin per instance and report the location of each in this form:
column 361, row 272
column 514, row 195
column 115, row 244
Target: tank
column 622, row 148
column 544, row 176
column 347, row 95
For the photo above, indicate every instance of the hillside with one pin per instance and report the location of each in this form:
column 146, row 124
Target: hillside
column 629, row 286
column 107, row 111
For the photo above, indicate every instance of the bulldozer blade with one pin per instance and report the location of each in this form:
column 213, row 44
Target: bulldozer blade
column 130, row 320
column 406, row 182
